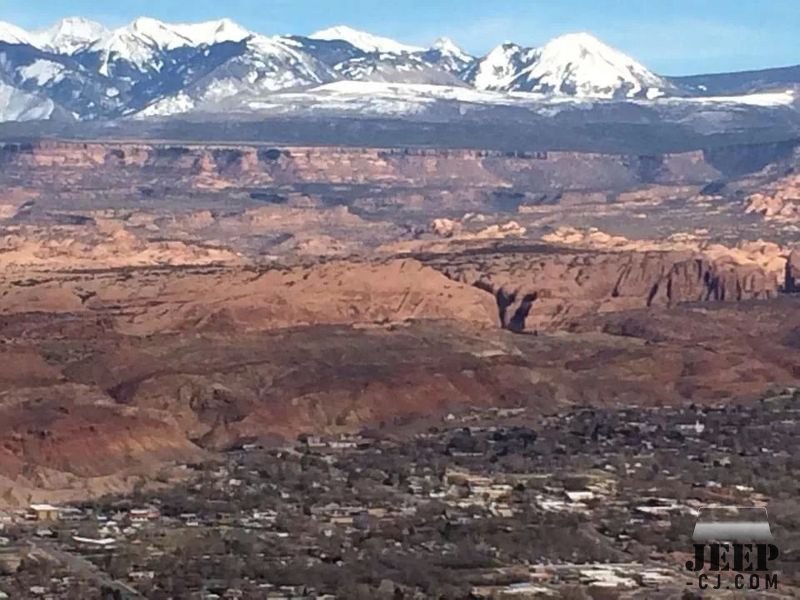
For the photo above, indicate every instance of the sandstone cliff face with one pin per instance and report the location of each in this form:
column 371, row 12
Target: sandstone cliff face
column 219, row 166
column 546, row 289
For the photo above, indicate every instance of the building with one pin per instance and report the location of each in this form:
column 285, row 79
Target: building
column 142, row 515
column 45, row 512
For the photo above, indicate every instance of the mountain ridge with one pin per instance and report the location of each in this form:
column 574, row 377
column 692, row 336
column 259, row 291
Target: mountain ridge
column 153, row 69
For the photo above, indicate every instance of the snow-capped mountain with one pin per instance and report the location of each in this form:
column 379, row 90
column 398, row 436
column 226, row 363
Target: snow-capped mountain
column 447, row 55
column 69, row 35
column 398, row 68
column 364, row 41
column 260, row 66
column 142, row 43
column 383, row 60
column 499, row 68
column 61, row 79
column 580, row 65
column 577, row 65
column 148, row 68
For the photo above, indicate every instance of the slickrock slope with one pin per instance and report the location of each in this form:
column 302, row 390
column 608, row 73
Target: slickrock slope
column 779, row 202
column 546, row 287
column 339, row 292
column 96, row 406
column 94, row 247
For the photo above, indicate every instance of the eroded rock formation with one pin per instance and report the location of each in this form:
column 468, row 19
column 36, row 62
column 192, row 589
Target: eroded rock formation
column 779, row 201
column 547, row 288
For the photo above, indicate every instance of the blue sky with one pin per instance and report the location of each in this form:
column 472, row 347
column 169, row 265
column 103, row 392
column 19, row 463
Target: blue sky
column 670, row 36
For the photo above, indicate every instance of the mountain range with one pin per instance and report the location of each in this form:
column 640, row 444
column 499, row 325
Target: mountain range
column 79, row 70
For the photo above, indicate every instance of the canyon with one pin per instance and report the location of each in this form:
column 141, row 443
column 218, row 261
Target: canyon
column 162, row 302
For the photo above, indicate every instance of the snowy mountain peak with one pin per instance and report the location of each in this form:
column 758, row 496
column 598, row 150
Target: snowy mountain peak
column 578, row 39
column 12, row 34
column 140, row 42
column 449, row 47
column 364, row 41
column 575, row 64
column 158, row 33
column 578, row 64
column 213, row 32
column 497, row 70
column 70, row 35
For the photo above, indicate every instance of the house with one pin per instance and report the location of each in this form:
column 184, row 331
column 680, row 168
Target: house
column 44, row 512
column 605, row 577
column 142, row 515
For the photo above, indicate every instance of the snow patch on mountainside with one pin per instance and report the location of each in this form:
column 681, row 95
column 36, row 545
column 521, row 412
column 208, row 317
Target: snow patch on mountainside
column 766, row 99
column 364, row 41
column 174, row 105
column 406, row 99
column 43, row 71
column 16, row 105
column 387, row 99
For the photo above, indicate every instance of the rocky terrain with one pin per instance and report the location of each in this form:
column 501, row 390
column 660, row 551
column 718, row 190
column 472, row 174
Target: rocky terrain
column 160, row 301
column 109, row 373
column 779, row 202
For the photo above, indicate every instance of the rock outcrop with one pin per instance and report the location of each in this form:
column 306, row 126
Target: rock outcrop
column 779, row 201
column 210, row 166
column 546, row 288
column 336, row 292
column 767, row 256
